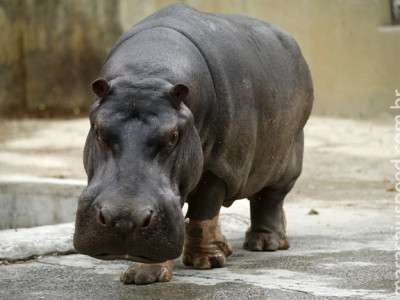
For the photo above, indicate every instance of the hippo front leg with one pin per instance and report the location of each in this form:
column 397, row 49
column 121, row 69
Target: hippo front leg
column 205, row 246
column 139, row 273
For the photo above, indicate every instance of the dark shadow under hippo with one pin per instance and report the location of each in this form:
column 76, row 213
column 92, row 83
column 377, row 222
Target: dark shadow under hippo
column 197, row 108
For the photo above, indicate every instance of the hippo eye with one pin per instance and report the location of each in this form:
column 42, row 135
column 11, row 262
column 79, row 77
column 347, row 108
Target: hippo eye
column 173, row 140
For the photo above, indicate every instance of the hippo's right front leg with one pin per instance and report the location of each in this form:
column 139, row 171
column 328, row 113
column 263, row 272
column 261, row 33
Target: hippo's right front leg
column 205, row 246
column 139, row 273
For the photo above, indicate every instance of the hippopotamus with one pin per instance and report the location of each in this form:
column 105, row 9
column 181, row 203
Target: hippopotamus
column 194, row 108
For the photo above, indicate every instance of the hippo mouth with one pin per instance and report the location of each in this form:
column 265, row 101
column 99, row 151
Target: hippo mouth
column 139, row 259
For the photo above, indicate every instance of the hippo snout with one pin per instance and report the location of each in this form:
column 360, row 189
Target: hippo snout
column 111, row 227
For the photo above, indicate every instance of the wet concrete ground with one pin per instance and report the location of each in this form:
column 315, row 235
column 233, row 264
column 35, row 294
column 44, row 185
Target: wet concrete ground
column 336, row 254
column 345, row 251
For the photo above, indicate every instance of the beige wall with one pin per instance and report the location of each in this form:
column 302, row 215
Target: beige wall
column 352, row 50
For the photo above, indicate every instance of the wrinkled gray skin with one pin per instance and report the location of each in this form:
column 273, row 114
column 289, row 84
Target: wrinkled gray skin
column 198, row 108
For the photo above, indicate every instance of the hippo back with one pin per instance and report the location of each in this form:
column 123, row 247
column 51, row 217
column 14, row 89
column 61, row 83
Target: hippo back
column 261, row 94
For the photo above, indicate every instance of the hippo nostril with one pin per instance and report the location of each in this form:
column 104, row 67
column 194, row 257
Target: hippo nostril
column 147, row 220
column 102, row 219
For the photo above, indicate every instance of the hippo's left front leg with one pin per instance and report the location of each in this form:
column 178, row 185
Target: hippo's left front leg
column 205, row 246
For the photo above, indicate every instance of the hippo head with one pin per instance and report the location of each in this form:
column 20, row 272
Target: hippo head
column 142, row 157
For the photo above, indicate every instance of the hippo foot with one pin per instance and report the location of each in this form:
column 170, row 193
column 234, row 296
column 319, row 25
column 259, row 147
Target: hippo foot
column 265, row 241
column 139, row 273
column 205, row 246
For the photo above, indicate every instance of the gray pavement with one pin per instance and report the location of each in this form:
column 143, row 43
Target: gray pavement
column 346, row 251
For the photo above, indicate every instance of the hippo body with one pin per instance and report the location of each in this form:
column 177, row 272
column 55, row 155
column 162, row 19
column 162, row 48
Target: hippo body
column 197, row 108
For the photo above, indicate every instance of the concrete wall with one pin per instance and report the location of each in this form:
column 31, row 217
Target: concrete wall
column 29, row 202
column 50, row 50
column 352, row 49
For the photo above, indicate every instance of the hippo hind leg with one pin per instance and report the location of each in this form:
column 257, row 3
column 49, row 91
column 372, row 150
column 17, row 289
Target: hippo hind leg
column 267, row 231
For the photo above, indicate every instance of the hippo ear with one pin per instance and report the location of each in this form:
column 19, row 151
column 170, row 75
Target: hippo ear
column 100, row 87
column 179, row 93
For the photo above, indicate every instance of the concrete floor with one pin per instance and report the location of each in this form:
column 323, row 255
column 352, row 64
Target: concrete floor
column 345, row 251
